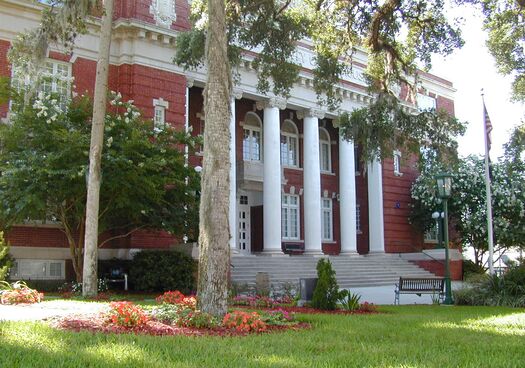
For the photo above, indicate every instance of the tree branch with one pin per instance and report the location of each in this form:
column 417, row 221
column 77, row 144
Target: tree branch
column 119, row 236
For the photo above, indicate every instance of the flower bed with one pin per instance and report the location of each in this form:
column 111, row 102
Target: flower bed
column 19, row 293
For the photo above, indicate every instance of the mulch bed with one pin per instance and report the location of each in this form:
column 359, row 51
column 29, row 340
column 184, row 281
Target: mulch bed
column 98, row 324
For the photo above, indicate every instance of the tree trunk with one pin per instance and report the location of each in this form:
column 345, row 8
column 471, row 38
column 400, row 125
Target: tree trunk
column 89, row 285
column 214, row 255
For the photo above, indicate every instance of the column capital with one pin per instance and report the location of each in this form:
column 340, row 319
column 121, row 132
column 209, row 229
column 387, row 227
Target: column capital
column 237, row 93
column 278, row 102
column 314, row 113
column 189, row 82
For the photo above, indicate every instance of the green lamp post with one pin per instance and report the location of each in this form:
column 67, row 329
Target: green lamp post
column 444, row 188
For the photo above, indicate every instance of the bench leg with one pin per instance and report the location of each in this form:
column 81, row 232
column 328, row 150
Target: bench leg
column 396, row 298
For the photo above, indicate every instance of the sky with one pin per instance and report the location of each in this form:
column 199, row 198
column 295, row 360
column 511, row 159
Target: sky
column 470, row 69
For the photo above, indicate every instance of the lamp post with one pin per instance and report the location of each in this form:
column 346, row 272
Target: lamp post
column 444, row 188
column 438, row 217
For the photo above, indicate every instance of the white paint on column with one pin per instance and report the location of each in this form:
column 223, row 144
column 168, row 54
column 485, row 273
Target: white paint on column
column 312, row 183
column 272, row 175
column 376, row 226
column 347, row 197
column 233, row 181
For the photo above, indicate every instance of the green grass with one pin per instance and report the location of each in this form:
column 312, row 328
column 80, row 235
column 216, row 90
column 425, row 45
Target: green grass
column 407, row 336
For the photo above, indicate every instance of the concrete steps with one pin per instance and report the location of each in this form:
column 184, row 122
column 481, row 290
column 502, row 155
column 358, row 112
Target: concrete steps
column 351, row 271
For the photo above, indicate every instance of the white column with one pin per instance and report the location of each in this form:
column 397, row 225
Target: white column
column 347, row 197
column 376, row 226
column 232, row 215
column 312, row 182
column 272, row 175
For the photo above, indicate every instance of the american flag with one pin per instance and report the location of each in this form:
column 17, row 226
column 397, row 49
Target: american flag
column 488, row 127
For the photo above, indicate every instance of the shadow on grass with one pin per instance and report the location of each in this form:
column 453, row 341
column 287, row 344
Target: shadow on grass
column 405, row 337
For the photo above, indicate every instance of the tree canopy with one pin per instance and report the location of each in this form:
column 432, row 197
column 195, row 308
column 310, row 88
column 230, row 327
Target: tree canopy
column 44, row 160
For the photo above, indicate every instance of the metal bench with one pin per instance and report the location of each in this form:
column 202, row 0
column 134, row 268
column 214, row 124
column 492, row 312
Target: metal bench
column 293, row 248
column 418, row 286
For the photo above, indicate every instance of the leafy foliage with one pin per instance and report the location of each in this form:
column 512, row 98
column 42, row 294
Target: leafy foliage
column 162, row 271
column 18, row 293
column 493, row 290
column 326, row 293
column 127, row 314
column 467, row 206
column 384, row 126
column 5, row 259
column 44, row 160
column 349, row 300
column 244, row 321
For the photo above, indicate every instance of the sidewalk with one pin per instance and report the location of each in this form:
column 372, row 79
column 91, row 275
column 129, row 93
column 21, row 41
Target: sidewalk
column 384, row 295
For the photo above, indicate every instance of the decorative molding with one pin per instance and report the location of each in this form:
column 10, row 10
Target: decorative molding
column 189, row 82
column 278, row 102
column 161, row 102
column 163, row 12
column 237, row 93
column 315, row 113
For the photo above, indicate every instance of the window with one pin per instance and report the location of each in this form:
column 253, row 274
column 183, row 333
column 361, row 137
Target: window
column 159, row 114
column 289, row 144
column 37, row 269
column 397, row 163
column 251, row 141
column 56, row 79
column 290, row 217
column 358, row 219
column 431, row 236
column 326, row 219
column 325, row 150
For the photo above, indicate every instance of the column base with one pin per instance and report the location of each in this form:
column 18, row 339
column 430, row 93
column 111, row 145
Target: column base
column 349, row 253
column 273, row 252
column 315, row 253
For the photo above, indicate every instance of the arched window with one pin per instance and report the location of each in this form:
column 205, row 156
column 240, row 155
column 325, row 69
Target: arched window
column 251, row 141
column 289, row 144
column 325, row 149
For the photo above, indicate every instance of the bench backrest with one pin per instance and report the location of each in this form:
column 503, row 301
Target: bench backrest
column 421, row 284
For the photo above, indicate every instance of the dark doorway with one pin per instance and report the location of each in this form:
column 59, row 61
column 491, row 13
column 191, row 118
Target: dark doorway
column 256, row 219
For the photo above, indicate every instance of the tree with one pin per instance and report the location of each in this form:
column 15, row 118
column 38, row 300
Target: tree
column 272, row 29
column 60, row 23
column 467, row 206
column 43, row 160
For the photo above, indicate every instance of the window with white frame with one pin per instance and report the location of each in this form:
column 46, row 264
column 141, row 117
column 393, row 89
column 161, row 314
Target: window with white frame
column 251, row 141
column 431, row 235
column 290, row 217
column 289, row 144
column 397, row 163
column 38, row 269
column 358, row 219
column 325, row 158
column 55, row 79
column 159, row 114
column 326, row 219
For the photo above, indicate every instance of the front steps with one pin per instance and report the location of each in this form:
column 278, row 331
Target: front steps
column 351, row 270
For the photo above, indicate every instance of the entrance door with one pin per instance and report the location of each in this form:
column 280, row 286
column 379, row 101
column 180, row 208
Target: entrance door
column 257, row 228
column 243, row 224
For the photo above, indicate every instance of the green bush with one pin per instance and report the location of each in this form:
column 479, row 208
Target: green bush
column 349, row 301
column 326, row 293
column 493, row 290
column 471, row 268
column 5, row 258
column 162, row 271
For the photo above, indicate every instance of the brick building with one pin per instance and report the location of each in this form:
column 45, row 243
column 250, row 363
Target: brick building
column 317, row 200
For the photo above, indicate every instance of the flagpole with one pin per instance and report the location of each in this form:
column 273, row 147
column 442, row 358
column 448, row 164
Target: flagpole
column 490, row 234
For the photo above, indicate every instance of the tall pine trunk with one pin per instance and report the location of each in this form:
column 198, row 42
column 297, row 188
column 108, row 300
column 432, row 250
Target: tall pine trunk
column 89, row 285
column 214, row 255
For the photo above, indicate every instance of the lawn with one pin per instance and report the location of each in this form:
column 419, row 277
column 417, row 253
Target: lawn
column 406, row 336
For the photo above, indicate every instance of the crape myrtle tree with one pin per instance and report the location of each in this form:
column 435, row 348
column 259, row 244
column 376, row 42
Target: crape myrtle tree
column 61, row 21
column 44, row 164
column 467, row 207
column 399, row 37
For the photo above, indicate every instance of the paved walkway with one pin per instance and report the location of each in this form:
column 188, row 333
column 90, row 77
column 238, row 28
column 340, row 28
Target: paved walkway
column 47, row 309
column 384, row 295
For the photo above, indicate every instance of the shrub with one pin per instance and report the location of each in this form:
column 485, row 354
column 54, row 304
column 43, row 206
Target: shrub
column 181, row 311
column 196, row 319
column 244, row 321
column 348, row 300
column 170, row 297
column 18, row 293
column 326, row 293
column 127, row 314
column 367, row 307
column 5, row 259
column 162, row 271
column 279, row 317
column 471, row 268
